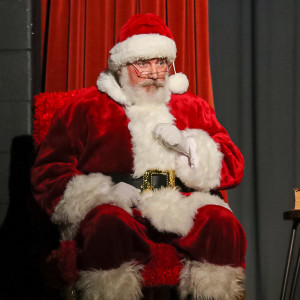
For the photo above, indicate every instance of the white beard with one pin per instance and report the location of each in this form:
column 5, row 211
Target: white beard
column 147, row 110
column 137, row 95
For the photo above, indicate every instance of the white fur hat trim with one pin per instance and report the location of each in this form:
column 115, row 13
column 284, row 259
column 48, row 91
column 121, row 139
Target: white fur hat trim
column 141, row 46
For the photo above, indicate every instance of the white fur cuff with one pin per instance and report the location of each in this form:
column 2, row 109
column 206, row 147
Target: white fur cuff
column 170, row 211
column 106, row 83
column 203, row 280
column 205, row 175
column 122, row 283
column 83, row 193
column 141, row 46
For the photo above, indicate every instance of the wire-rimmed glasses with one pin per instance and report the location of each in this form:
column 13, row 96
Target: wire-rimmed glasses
column 146, row 74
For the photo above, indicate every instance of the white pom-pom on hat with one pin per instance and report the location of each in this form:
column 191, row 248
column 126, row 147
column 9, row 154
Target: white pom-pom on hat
column 178, row 83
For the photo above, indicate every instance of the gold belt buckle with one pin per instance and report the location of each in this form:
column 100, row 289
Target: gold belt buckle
column 147, row 178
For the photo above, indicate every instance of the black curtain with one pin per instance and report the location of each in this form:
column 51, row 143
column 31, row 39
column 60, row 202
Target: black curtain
column 255, row 61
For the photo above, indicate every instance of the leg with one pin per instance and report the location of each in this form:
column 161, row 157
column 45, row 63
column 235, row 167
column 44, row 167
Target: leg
column 113, row 248
column 215, row 248
column 108, row 237
column 295, row 277
column 288, row 261
column 216, row 237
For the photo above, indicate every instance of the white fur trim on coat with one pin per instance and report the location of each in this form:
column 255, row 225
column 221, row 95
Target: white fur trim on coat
column 122, row 283
column 170, row 211
column 148, row 152
column 82, row 193
column 206, row 173
column 203, row 280
column 141, row 46
column 106, row 83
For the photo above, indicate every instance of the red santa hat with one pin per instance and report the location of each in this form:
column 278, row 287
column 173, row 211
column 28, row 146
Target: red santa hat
column 146, row 36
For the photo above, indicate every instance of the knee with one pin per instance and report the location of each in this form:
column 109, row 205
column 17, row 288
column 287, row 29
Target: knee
column 105, row 212
column 220, row 220
column 102, row 217
column 215, row 214
column 220, row 227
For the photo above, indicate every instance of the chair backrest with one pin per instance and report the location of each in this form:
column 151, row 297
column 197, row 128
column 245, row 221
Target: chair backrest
column 45, row 105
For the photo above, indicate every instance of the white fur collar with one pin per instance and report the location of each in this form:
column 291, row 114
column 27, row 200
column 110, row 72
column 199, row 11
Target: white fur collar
column 107, row 83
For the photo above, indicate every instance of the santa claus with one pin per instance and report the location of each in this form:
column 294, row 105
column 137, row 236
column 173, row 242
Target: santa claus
column 138, row 162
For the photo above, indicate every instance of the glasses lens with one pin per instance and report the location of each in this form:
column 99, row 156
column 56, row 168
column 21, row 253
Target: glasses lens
column 160, row 75
column 144, row 74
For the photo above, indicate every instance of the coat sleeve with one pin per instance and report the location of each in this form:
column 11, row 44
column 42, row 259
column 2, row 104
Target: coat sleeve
column 219, row 164
column 59, row 187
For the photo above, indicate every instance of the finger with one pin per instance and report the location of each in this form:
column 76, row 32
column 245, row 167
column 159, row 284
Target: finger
column 136, row 193
column 135, row 199
column 156, row 132
column 133, row 189
column 183, row 149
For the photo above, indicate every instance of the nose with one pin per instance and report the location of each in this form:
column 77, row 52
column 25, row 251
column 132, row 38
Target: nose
column 153, row 71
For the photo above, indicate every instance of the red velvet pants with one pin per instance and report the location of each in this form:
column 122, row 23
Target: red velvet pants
column 109, row 236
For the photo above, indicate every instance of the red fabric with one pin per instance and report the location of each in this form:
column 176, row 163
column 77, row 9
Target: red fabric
column 61, row 265
column 45, row 105
column 108, row 236
column 94, row 145
column 102, row 240
column 216, row 236
column 95, row 247
column 192, row 114
column 144, row 24
column 77, row 36
column 164, row 266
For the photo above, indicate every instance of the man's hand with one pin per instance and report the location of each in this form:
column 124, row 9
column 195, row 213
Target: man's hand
column 125, row 195
column 172, row 137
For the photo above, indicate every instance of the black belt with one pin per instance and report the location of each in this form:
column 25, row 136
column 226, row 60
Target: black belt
column 158, row 180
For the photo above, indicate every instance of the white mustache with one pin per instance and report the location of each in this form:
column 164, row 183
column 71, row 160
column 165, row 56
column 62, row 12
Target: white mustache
column 151, row 82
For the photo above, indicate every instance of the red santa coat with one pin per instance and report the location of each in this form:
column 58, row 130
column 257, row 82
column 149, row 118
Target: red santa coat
column 100, row 133
column 90, row 137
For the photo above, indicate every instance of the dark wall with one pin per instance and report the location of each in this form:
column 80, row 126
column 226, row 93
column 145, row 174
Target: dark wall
column 255, row 62
column 18, row 67
column 19, row 80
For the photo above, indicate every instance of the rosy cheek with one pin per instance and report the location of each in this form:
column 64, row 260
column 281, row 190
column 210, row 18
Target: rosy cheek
column 132, row 76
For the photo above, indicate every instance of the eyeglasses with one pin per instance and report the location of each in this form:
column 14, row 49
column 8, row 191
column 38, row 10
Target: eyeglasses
column 146, row 74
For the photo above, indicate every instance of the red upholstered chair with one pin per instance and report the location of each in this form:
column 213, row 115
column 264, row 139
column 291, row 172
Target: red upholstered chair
column 163, row 268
